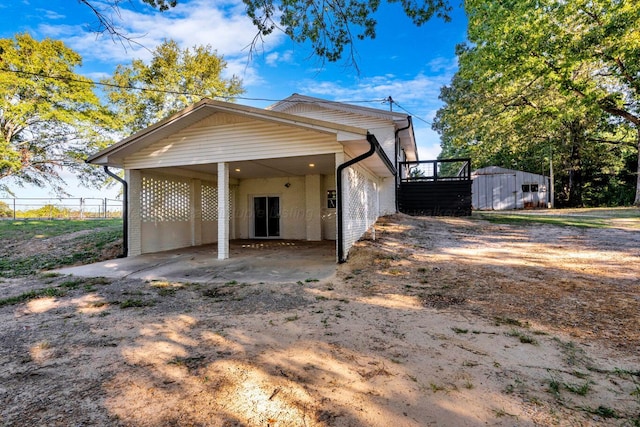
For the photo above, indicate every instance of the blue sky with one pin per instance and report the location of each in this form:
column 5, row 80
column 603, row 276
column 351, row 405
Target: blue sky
column 406, row 62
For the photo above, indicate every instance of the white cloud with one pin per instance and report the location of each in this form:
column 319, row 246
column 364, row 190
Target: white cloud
column 276, row 58
column 51, row 14
column 222, row 25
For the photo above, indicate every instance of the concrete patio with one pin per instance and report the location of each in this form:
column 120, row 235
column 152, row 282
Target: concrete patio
column 251, row 261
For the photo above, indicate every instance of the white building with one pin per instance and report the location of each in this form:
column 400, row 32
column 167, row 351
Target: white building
column 304, row 168
column 496, row 188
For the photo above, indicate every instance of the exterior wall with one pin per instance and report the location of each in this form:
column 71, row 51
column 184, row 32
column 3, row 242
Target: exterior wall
column 388, row 196
column 227, row 138
column 328, row 214
column 292, row 205
column 502, row 190
column 165, row 213
column 171, row 211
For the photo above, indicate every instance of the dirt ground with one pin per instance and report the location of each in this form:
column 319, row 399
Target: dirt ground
column 439, row 321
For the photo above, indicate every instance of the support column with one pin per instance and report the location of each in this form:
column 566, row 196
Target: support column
column 223, row 210
column 313, row 207
column 134, row 180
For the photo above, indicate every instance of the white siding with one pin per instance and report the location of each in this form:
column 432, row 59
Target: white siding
column 384, row 130
column 226, row 138
column 387, row 196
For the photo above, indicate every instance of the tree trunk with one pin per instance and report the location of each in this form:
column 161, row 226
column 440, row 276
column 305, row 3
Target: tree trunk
column 636, row 202
column 575, row 166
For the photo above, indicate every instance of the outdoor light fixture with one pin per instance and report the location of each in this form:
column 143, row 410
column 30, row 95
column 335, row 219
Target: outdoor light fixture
column 288, row 184
column 312, row 165
column 237, row 170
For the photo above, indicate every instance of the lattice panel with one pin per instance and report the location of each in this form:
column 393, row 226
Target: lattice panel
column 361, row 205
column 209, row 203
column 164, row 200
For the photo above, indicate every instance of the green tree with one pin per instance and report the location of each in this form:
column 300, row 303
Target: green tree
column 560, row 74
column 50, row 117
column 329, row 26
column 172, row 80
column 5, row 210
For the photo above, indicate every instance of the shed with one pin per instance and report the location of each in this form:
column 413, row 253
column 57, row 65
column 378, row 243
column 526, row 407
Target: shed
column 304, row 168
column 496, row 188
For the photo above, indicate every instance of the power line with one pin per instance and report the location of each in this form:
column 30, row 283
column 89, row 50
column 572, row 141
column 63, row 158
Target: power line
column 410, row 113
column 171, row 92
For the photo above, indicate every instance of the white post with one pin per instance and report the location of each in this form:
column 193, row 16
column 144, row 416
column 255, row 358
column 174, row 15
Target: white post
column 313, row 211
column 134, row 180
column 223, row 210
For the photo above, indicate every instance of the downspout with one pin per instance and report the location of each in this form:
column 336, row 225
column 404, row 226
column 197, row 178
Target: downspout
column 375, row 146
column 125, row 212
column 397, row 143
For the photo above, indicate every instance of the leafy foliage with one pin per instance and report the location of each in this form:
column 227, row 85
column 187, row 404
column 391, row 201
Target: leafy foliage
column 548, row 78
column 173, row 79
column 329, row 26
column 46, row 123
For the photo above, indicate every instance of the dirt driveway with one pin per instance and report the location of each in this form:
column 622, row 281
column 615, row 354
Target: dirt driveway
column 440, row 321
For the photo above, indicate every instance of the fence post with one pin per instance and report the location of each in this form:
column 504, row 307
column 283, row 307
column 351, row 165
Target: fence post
column 81, row 208
column 14, row 208
column 105, row 207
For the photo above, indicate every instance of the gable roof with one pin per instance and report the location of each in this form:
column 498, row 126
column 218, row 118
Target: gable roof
column 296, row 98
column 205, row 108
column 347, row 114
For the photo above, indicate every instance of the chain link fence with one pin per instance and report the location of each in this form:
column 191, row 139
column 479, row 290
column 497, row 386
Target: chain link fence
column 59, row 208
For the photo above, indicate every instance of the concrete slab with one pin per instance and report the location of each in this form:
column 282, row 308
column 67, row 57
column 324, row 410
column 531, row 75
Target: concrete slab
column 251, row 261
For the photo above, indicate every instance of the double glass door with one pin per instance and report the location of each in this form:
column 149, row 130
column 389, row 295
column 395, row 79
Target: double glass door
column 266, row 213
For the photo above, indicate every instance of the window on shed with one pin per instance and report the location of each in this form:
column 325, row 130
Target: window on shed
column 526, row 188
column 534, row 188
column 331, row 199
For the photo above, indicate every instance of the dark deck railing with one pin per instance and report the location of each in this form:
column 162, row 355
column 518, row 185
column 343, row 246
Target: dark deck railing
column 435, row 187
column 435, row 170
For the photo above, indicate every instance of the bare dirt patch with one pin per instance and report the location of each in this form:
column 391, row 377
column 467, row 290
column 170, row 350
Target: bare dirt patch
column 439, row 321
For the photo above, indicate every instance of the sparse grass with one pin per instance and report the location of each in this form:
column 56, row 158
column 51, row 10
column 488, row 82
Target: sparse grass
column 603, row 411
column 30, row 295
column 82, row 249
column 580, row 390
column 499, row 321
column 524, row 338
column 459, row 330
column 231, row 283
column 572, row 353
column 554, row 387
column 165, row 288
column 499, row 413
column 311, row 280
column 71, row 284
column 582, row 218
column 436, row 388
column 130, row 303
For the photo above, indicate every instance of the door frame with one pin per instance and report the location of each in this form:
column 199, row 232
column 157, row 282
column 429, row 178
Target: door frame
column 252, row 217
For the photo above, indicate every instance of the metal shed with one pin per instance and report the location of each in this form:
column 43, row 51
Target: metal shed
column 496, row 188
